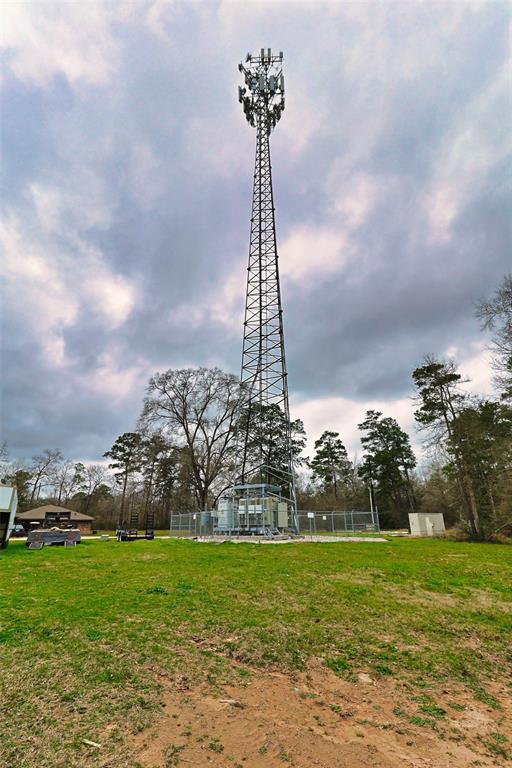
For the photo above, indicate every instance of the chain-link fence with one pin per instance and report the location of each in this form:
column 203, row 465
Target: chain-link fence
column 346, row 521
column 316, row 522
column 190, row 523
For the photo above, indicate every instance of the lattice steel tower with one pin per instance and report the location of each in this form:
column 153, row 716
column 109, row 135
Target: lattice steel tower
column 265, row 457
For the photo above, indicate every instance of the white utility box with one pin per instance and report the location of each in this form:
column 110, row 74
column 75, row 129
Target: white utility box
column 426, row 523
column 8, row 507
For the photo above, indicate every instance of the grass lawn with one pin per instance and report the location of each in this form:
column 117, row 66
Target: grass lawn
column 86, row 633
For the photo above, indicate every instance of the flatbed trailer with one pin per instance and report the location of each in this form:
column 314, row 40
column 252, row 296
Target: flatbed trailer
column 47, row 537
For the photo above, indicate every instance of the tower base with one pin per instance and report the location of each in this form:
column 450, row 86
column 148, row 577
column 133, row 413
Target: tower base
column 253, row 509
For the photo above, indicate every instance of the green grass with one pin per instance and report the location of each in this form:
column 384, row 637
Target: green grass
column 86, row 633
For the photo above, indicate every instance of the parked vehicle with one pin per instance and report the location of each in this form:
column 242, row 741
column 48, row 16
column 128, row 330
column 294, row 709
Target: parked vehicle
column 18, row 531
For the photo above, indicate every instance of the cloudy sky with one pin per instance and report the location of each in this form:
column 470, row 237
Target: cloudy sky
column 127, row 190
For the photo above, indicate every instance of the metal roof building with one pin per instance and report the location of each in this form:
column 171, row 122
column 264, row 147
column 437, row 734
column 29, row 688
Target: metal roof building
column 51, row 514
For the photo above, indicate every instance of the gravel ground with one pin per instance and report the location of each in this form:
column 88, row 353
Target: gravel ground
column 302, row 540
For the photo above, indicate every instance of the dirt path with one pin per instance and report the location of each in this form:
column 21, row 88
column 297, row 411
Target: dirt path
column 317, row 719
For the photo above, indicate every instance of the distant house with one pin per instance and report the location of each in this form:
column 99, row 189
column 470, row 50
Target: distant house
column 8, row 506
column 51, row 515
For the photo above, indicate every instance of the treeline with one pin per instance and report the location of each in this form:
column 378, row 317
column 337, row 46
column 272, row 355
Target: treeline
column 51, row 478
column 469, row 442
column 142, row 471
column 383, row 477
column 181, row 455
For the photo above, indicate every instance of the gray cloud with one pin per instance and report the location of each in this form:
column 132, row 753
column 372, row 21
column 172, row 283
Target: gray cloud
column 127, row 198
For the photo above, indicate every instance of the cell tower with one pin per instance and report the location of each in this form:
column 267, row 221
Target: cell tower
column 262, row 499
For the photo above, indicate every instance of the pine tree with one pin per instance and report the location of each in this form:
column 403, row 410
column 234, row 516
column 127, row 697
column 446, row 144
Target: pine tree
column 126, row 454
column 440, row 402
column 267, row 441
column 482, row 435
column 388, row 460
column 330, row 465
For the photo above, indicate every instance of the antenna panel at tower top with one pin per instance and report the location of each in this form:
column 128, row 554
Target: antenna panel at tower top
column 262, row 95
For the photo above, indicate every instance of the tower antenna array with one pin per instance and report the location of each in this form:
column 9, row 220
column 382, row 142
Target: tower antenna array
column 262, row 499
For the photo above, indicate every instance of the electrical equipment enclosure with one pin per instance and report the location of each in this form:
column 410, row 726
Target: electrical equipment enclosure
column 426, row 524
column 226, row 514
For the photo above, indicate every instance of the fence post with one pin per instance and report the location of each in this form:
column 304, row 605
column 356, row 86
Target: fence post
column 332, row 520
column 170, row 526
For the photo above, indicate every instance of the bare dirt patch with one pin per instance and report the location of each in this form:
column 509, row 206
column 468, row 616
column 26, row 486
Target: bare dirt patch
column 271, row 720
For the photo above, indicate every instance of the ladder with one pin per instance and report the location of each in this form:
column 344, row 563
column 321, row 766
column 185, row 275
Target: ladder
column 134, row 521
column 150, row 522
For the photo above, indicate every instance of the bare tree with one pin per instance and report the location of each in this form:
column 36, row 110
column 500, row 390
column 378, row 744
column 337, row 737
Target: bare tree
column 197, row 409
column 95, row 475
column 4, row 453
column 495, row 315
column 154, row 447
column 42, row 467
column 66, row 479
